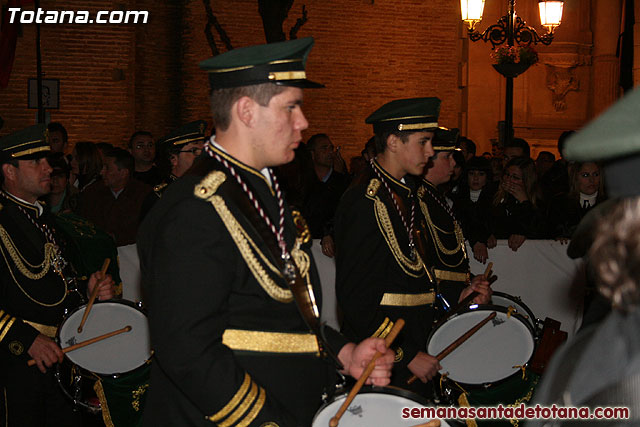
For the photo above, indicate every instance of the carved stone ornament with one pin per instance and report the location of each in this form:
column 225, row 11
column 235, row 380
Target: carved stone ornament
column 561, row 80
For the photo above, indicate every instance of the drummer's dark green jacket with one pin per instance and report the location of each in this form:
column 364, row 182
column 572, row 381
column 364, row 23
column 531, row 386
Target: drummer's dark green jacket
column 42, row 300
column 376, row 280
column 195, row 248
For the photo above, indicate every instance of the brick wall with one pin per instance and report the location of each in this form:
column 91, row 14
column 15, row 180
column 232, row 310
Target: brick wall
column 118, row 78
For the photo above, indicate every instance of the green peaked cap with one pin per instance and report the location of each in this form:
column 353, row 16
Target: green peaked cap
column 191, row 132
column 27, row 143
column 412, row 114
column 282, row 63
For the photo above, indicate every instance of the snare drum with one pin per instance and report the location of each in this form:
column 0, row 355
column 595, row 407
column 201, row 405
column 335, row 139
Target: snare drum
column 373, row 406
column 506, row 300
column 116, row 355
column 117, row 368
column 494, row 353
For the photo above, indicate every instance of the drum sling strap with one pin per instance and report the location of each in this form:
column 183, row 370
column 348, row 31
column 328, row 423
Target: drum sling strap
column 303, row 300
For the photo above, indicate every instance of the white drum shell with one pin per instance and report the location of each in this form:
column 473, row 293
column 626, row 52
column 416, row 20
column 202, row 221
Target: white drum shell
column 493, row 353
column 115, row 355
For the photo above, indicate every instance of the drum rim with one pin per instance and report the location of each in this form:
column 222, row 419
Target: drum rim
column 372, row 389
column 518, row 301
column 490, row 307
column 125, row 302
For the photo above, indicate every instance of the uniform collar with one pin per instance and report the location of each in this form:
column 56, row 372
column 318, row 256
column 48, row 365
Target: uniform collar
column 36, row 208
column 263, row 174
column 391, row 180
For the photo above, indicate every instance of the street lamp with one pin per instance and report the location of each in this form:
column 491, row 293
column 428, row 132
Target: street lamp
column 513, row 30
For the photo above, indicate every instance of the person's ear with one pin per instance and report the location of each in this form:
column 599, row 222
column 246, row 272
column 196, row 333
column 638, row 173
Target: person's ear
column 9, row 171
column 393, row 142
column 245, row 110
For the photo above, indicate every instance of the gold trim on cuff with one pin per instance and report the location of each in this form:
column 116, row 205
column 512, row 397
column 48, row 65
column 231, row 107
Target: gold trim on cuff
column 7, row 327
column 47, row 330
column 453, row 276
column 270, row 342
column 234, row 400
column 238, row 413
column 407, row 300
column 253, row 413
column 384, row 329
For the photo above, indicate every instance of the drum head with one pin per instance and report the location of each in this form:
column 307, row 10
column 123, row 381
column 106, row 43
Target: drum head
column 491, row 354
column 373, row 406
column 506, row 300
column 114, row 355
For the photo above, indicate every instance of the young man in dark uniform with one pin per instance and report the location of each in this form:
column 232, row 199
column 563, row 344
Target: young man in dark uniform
column 381, row 274
column 35, row 287
column 181, row 147
column 229, row 270
column 444, row 241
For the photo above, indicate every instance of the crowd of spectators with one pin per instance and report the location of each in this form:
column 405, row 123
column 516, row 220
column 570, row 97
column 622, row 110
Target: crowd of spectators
column 509, row 196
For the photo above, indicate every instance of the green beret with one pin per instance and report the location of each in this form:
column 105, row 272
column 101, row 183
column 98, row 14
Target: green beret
column 191, row 132
column 281, row 63
column 28, row 143
column 615, row 133
column 445, row 139
column 414, row 114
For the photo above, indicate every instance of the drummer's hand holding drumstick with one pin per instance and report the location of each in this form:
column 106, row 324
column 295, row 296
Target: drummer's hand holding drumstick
column 355, row 359
column 480, row 284
column 45, row 352
column 106, row 285
column 424, row 366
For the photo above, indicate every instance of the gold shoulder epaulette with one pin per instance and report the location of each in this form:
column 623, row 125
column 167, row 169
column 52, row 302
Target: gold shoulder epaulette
column 373, row 187
column 209, row 184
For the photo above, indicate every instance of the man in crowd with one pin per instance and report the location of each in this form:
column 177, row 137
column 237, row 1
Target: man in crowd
column 324, row 192
column 58, row 137
column 380, row 273
column 468, row 148
column 220, row 254
column 143, row 150
column 116, row 206
column 517, row 147
column 35, row 287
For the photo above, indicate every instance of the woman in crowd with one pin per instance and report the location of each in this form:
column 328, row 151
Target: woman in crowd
column 86, row 165
column 586, row 189
column 472, row 206
column 518, row 209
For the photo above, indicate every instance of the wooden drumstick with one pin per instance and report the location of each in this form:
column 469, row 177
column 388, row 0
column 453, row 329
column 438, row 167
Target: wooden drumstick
column 397, row 327
column 94, row 294
column 432, row 423
column 89, row 341
column 457, row 343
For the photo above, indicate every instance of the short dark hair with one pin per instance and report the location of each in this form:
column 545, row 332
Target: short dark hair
column 57, row 127
column 563, row 138
column 471, row 146
column 223, row 99
column 519, row 143
column 139, row 133
column 123, row 159
column 311, row 144
column 381, row 139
